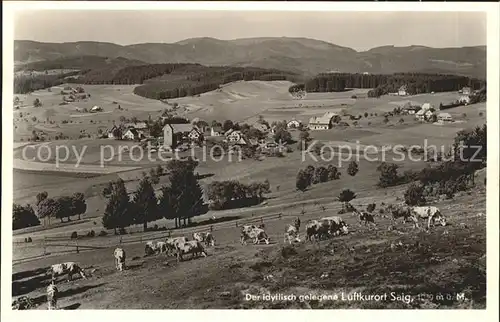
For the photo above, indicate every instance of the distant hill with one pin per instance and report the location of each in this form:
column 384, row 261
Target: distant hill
column 303, row 55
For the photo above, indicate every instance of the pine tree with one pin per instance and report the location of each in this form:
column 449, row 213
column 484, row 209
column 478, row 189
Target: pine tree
column 183, row 198
column 118, row 209
column 145, row 203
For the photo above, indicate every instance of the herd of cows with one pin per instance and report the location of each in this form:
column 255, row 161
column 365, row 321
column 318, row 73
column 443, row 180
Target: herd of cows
column 315, row 230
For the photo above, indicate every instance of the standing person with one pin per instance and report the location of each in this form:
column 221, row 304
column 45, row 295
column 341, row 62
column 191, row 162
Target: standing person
column 52, row 295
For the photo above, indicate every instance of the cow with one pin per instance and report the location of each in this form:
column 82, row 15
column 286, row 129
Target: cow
column 429, row 213
column 69, row 268
column 257, row 234
column 150, row 248
column 171, row 243
column 207, row 238
column 119, row 255
column 400, row 211
column 365, row 217
column 335, row 225
column 193, row 247
column 52, row 295
column 292, row 232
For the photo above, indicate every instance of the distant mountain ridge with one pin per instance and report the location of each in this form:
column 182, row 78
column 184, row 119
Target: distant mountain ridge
column 302, row 55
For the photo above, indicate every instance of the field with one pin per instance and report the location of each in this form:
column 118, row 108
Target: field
column 196, row 283
column 362, row 262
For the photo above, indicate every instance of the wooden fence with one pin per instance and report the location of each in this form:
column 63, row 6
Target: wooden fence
column 77, row 244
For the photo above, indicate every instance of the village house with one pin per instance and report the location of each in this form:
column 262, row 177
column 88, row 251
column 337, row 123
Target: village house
column 175, row 134
column 444, row 117
column 112, row 131
column 216, row 131
column 324, row 122
column 132, row 134
column 424, row 114
column 403, row 90
column 293, row 124
column 195, row 135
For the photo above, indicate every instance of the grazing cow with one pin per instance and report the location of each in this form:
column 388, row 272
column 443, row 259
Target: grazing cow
column 429, row 213
column 172, row 243
column 291, row 234
column 312, row 230
column 335, row 225
column 292, row 231
column 365, row 217
column 257, row 234
column 400, row 211
column 193, row 247
column 150, row 248
column 69, row 268
column 52, row 295
column 206, row 238
column 119, row 259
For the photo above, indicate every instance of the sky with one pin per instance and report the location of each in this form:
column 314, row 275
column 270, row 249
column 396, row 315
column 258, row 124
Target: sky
column 357, row 30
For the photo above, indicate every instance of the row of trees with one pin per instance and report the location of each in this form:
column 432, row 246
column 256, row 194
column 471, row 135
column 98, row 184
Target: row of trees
column 234, row 194
column 383, row 84
column 47, row 208
column 180, row 200
column 62, row 207
column 311, row 175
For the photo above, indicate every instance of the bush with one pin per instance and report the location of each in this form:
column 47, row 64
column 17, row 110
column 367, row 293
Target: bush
column 287, row 251
column 103, row 233
column 354, row 96
column 366, row 114
column 480, row 113
column 74, row 235
column 122, row 231
column 414, row 195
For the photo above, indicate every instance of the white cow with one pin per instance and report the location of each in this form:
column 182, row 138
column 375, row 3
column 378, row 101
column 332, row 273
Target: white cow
column 257, row 234
column 429, row 213
column 205, row 237
column 171, row 243
column 193, row 247
column 292, row 232
column 119, row 255
column 69, row 268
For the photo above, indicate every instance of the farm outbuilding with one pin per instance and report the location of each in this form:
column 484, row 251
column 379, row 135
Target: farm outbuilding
column 445, row 117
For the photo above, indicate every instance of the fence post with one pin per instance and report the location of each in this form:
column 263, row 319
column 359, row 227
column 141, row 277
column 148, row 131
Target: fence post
column 261, row 220
column 120, row 240
column 77, row 250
